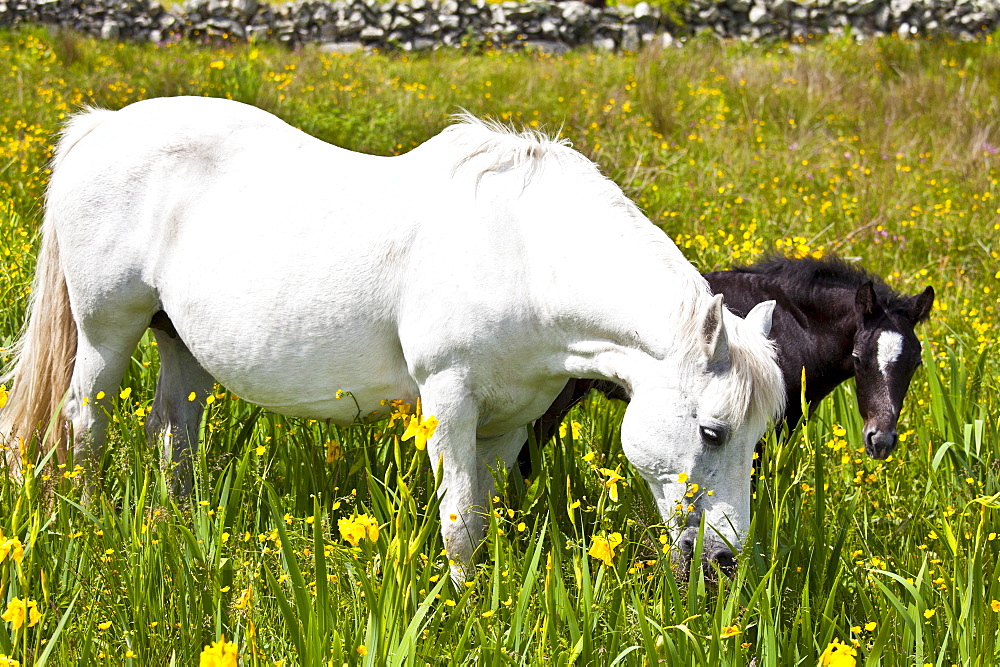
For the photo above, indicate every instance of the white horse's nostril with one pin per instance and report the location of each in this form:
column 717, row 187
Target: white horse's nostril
column 725, row 560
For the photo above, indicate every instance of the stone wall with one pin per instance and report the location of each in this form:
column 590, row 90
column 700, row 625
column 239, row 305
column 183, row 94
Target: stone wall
column 346, row 25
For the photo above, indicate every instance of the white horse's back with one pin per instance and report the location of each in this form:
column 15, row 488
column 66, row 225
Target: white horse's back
column 214, row 219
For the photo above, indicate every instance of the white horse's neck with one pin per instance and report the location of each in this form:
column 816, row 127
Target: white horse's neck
column 652, row 302
column 650, row 324
column 610, row 287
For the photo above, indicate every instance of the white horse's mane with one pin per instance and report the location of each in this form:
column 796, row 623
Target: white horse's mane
column 755, row 390
column 506, row 148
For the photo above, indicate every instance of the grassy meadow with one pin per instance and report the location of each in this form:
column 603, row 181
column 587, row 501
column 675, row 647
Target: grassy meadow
column 308, row 544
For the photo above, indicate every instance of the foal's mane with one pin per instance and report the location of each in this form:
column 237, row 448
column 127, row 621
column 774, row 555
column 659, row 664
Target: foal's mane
column 806, row 278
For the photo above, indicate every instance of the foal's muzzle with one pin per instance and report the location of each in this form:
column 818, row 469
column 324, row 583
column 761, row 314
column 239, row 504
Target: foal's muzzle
column 880, row 443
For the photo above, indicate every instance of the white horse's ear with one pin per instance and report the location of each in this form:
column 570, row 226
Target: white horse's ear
column 760, row 316
column 716, row 340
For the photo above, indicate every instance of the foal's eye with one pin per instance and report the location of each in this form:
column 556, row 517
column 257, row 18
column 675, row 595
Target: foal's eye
column 857, row 357
column 712, row 436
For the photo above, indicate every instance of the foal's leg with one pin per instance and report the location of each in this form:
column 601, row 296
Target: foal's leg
column 175, row 418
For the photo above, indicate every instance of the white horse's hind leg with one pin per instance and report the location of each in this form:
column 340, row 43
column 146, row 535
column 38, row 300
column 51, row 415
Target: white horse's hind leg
column 175, row 419
column 102, row 355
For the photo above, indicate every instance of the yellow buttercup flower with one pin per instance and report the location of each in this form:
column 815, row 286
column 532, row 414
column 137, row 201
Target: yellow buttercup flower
column 995, row 605
column 420, row 428
column 603, row 548
column 243, row 601
column 19, row 611
column 730, row 631
column 220, row 654
column 12, row 547
column 401, row 410
column 356, row 529
column 574, row 427
column 8, row 662
column 611, row 482
column 4, row 395
column 838, row 655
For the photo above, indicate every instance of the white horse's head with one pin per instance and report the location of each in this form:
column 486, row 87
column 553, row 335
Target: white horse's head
column 691, row 433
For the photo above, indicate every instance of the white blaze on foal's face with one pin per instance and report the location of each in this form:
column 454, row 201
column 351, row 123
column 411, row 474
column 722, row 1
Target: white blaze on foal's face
column 890, row 346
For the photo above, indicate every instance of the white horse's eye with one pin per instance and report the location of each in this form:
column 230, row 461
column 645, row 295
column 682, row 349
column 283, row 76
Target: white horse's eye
column 712, row 435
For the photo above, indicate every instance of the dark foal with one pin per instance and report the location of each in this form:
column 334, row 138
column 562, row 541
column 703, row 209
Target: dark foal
column 831, row 318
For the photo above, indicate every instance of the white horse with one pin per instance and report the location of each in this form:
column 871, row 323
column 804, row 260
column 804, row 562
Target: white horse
column 288, row 269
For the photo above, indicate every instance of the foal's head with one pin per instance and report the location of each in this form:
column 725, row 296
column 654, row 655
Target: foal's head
column 691, row 432
column 886, row 354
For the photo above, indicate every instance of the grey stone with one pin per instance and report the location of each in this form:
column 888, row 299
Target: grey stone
column 757, row 14
column 546, row 46
column 110, row 30
column 709, row 15
column 575, row 12
column 780, row 8
column 863, row 7
column 341, row 47
column 371, row 33
column 630, row 38
column 900, row 7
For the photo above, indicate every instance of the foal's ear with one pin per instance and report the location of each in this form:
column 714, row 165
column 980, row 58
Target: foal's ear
column 919, row 307
column 866, row 301
column 760, row 316
column 716, row 340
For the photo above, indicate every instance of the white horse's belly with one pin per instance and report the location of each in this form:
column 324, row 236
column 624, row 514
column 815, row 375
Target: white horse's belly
column 313, row 382
column 296, row 361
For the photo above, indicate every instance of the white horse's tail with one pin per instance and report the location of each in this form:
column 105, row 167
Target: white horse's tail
column 39, row 377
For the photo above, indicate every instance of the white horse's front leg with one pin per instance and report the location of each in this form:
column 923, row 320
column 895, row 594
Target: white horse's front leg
column 453, row 445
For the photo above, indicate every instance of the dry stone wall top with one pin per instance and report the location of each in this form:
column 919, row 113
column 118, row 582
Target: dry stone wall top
column 347, row 25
